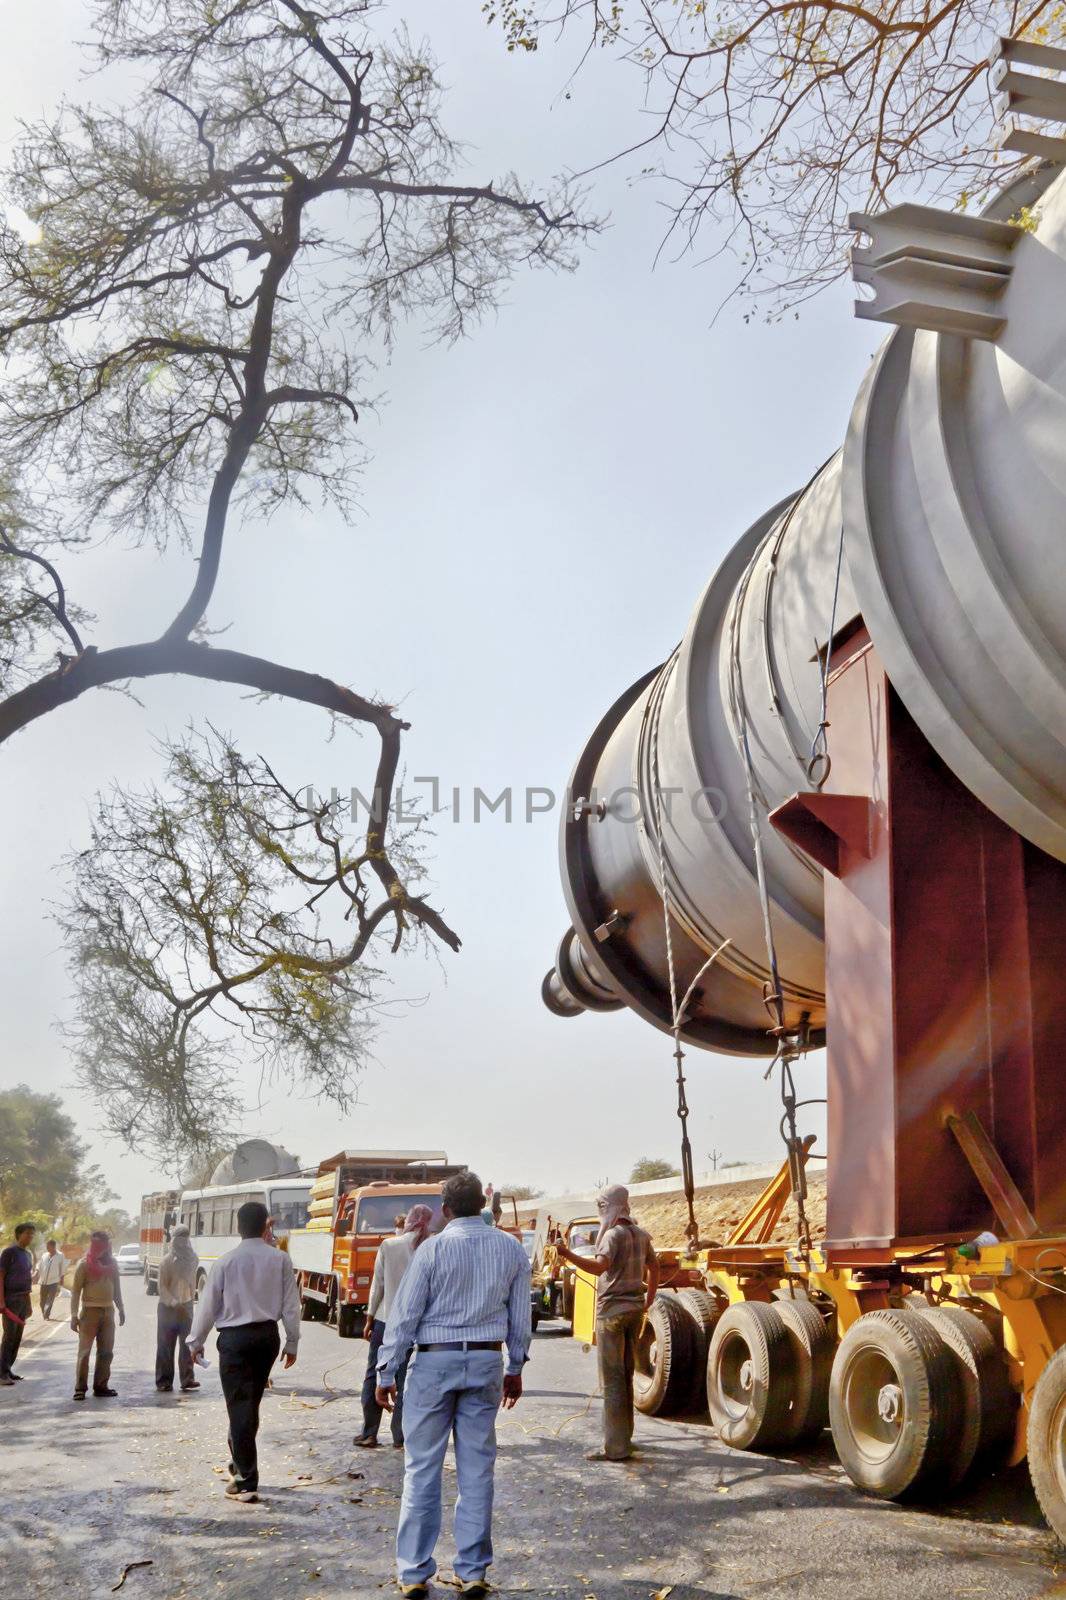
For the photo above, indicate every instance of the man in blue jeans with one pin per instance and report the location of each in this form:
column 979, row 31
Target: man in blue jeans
column 465, row 1295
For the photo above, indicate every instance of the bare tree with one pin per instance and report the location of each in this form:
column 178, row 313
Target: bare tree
column 193, row 291
column 770, row 120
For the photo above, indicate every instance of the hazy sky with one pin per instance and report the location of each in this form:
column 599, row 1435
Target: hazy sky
column 549, row 499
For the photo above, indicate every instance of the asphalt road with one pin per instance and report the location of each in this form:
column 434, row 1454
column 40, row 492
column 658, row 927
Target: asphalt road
column 89, row 1488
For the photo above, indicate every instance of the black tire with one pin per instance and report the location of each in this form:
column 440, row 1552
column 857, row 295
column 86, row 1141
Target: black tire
column 349, row 1322
column 751, row 1377
column 308, row 1310
column 201, row 1279
column 535, row 1318
column 662, row 1381
column 813, row 1349
column 151, row 1285
column 988, row 1420
column 1046, row 1442
column 704, row 1309
column 895, row 1405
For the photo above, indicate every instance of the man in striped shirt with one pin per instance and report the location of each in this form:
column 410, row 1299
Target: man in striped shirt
column 465, row 1295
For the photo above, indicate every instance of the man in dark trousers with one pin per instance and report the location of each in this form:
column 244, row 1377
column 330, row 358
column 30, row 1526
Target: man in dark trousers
column 248, row 1292
column 16, row 1275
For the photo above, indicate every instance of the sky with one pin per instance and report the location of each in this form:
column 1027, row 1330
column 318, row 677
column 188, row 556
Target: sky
column 547, row 500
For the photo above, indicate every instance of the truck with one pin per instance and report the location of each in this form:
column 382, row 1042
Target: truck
column 358, row 1198
column 862, row 846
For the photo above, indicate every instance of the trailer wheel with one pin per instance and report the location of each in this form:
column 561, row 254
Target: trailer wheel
column 347, row 1317
column 1046, row 1442
column 662, row 1379
column 751, row 1377
column 813, row 1348
column 895, row 1404
column 987, row 1394
column 704, row 1309
column 151, row 1285
column 308, row 1309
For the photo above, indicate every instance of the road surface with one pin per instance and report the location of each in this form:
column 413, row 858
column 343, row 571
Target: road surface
column 90, row 1488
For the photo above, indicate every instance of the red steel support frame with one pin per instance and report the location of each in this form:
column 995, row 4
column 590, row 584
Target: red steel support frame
column 945, row 980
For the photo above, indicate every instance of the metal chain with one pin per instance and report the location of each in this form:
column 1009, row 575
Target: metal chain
column 677, row 1011
column 820, row 762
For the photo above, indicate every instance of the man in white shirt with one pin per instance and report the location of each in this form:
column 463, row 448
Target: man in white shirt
column 248, row 1292
column 51, row 1266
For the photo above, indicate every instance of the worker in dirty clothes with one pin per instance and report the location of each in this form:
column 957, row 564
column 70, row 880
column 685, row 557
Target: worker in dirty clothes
column 177, row 1293
column 628, row 1273
column 465, row 1295
column 95, row 1296
column 393, row 1260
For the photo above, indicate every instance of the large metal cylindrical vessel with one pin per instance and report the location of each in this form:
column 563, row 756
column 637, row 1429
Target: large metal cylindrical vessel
column 949, row 506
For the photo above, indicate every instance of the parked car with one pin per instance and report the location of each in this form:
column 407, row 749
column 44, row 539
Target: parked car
column 128, row 1258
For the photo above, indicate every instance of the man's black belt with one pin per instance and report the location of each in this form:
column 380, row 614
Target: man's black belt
column 464, row 1344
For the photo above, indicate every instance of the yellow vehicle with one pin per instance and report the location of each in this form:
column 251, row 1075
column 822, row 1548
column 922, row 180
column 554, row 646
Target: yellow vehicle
column 929, row 1364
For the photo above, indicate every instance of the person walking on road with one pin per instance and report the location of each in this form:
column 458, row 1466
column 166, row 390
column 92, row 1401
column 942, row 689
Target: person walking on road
column 249, row 1290
column 628, row 1273
column 95, row 1296
column 16, row 1275
column 465, row 1294
column 177, row 1292
column 49, row 1274
column 393, row 1260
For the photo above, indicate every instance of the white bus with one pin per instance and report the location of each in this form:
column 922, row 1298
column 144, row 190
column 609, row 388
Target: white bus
column 211, row 1214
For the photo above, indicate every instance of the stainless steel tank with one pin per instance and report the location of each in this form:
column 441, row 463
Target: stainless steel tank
column 948, row 507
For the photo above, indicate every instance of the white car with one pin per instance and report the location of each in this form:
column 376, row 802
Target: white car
column 128, row 1258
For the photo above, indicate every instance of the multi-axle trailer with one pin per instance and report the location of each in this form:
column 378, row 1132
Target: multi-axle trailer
column 851, row 831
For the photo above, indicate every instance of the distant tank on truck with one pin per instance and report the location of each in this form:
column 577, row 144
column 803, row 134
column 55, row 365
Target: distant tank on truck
column 358, row 1198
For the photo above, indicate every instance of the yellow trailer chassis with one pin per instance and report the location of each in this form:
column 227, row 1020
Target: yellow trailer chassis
column 931, row 1362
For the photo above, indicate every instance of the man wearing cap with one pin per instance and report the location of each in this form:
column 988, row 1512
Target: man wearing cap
column 628, row 1274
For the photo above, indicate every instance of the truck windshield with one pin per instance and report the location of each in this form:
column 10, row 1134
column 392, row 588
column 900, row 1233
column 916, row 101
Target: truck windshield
column 288, row 1207
column 378, row 1213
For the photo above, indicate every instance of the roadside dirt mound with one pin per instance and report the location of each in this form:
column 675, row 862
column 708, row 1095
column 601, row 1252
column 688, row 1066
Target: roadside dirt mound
column 718, row 1210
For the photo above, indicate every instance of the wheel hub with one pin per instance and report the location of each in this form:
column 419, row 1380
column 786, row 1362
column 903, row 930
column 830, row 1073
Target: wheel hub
column 747, row 1376
column 890, row 1402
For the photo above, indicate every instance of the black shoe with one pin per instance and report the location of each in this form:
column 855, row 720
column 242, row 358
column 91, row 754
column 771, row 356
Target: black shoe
column 165, row 1388
column 187, row 1386
column 105, row 1394
column 17, row 1376
column 79, row 1394
column 368, row 1441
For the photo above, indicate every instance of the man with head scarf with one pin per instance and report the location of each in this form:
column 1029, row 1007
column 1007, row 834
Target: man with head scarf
column 393, row 1260
column 94, row 1298
column 628, row 1274
column 177, row 1292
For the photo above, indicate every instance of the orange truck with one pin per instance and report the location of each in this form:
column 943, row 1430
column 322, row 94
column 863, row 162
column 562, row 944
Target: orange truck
column 358, row 1198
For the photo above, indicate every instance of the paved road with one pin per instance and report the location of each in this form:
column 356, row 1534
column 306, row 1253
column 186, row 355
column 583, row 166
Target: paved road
column 89, row 1488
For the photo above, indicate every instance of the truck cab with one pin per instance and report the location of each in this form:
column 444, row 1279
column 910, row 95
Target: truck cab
column 358, row 1199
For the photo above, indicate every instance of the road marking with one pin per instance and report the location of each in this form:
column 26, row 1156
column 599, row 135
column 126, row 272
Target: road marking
column 31, row 1345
